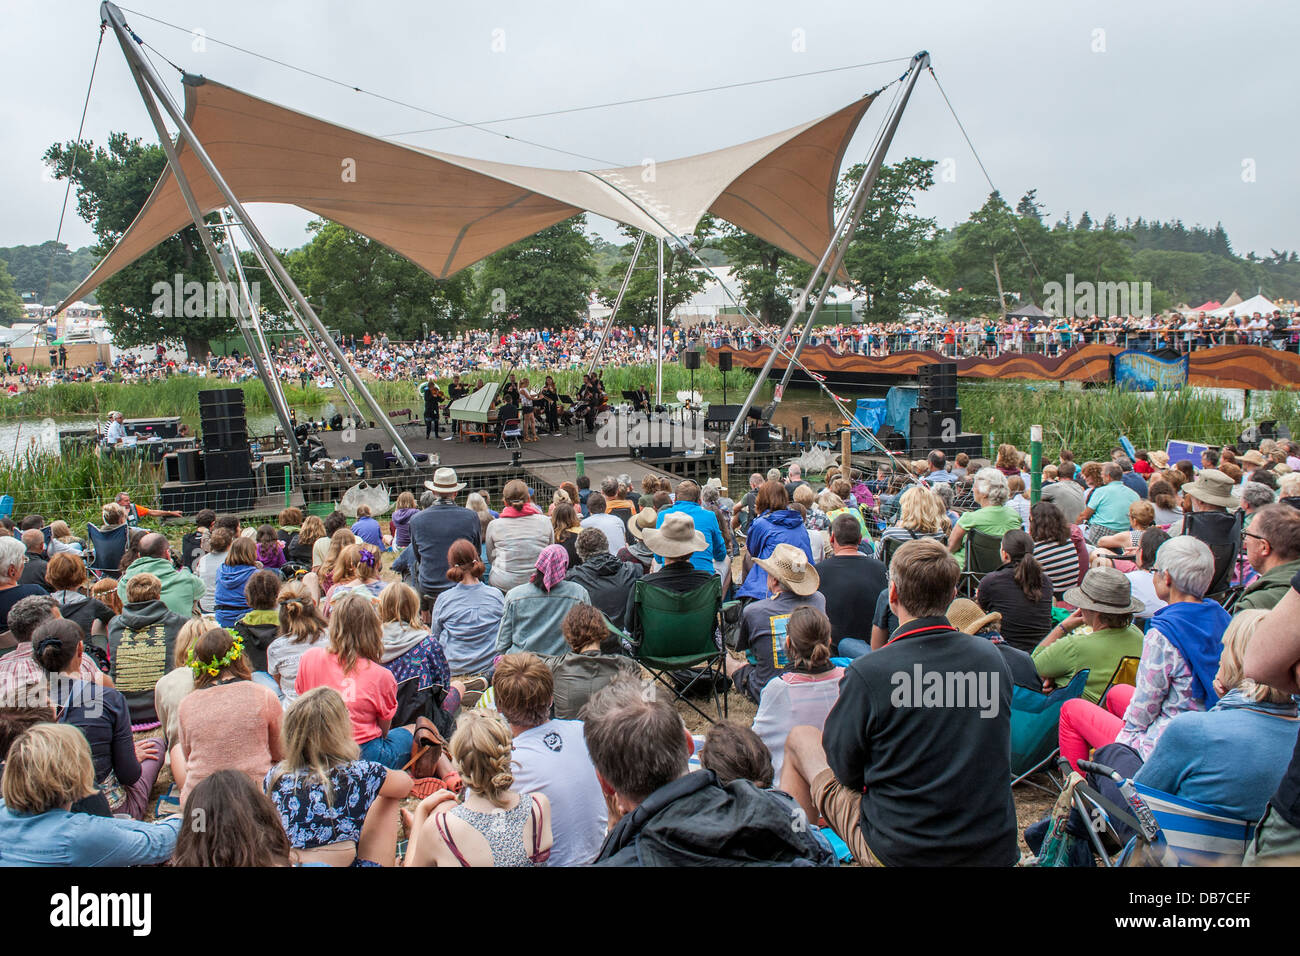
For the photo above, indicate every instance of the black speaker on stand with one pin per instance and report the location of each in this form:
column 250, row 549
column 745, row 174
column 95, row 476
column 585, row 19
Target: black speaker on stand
column 724, row 366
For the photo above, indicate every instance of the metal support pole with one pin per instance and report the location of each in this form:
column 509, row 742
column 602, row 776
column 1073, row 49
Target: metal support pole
column 618, row 300
column 258, row 339
column 1035, row 463
column 308, row 334
column 659, row 345
column 205, row 237
column 144, row 72
column 869, row 176
column 846, row 227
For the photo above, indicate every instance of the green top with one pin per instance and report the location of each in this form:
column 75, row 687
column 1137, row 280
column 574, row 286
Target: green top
column 996, row 520
column 1267, row 590
column 1098, row 651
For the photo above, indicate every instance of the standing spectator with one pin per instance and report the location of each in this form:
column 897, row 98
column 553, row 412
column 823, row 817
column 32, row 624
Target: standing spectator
column 436, row 528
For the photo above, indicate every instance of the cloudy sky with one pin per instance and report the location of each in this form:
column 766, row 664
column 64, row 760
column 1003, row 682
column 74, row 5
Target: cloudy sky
column 1157, row 109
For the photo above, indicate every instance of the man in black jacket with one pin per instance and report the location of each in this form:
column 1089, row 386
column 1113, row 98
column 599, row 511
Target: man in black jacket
column 913, row 766
column 607, row 579
column 665, row 816
column 437, row 528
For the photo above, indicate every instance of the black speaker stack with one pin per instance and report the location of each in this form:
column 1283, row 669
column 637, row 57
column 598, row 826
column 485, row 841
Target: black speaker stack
column 221, row 478
column 935, row 423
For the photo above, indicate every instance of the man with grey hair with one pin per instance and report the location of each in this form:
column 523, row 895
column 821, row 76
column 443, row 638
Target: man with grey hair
column 1255, row 495
column 1273, row 549
column 608, row 580
column 34, row 569
column 662, row 814
column 13, row 556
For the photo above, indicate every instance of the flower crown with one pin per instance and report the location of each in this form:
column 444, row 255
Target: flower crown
column 217, row 664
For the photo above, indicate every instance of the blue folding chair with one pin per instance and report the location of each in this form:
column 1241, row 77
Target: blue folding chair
column 1035, row 719
column 6, row 506
column 109, row 546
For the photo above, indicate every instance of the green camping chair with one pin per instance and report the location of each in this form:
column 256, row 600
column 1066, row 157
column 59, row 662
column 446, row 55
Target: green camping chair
column 675, row 632
column 983, row 554
column 1035, row 720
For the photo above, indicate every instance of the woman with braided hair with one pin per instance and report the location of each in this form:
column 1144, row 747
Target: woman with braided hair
column 494, row 825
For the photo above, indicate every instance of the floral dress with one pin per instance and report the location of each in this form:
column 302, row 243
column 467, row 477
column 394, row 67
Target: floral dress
column 310, row 820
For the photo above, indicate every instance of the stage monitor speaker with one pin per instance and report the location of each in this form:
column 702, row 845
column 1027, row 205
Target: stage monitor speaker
column 189, row 467
column 692, row 358
column 375, row 462
column 171, row 468
column 654, row 451
column 724, row 361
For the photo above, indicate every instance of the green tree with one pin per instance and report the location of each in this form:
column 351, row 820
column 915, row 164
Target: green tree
column 769, row 277
column 543, row 280
column 892, row 249
column 113, row 184
column 357, row 285
column 683, row 276
column 988, row 261
column 11, row 304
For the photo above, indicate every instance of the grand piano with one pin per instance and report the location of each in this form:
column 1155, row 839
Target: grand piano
column 475, row 412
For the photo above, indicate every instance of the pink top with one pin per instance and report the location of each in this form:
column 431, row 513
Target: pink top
column 370, row 691
column 233, row 726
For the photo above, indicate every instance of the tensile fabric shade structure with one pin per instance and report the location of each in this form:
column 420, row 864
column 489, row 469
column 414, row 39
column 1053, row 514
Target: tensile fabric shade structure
column 445, row 212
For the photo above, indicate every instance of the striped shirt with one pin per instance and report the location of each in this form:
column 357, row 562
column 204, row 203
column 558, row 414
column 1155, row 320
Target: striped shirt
column 1060, row 563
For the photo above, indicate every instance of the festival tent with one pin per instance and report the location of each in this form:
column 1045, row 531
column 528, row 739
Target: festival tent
column 1209, row 306
column 1256, row 303
column 445, row 212
column 1232, row 300
column 1029, row 311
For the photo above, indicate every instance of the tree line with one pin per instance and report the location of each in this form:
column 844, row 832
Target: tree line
column 897, row 261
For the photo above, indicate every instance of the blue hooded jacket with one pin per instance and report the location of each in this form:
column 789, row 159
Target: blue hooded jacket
column 230, row 602
column 765, row 533
column 1196, row 629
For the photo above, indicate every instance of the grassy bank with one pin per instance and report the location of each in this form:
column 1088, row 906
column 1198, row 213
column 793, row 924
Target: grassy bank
column 74, row 488
column 180, row 395
column 1089, row 422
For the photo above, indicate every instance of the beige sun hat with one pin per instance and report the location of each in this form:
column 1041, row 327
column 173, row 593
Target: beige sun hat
column 1212, row 487
column 1106, row 590
column 641, row 522
column 969, row 618
column 675, row 538
column 715, row 483
column 791, row 567
column 1253, row 457
column 444, row 482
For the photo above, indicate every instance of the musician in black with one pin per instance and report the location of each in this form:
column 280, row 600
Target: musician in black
column 433, row 398
column 456, row 390
column 642, row 400
column 588, row 401
column 551, row 406
column 510, row 391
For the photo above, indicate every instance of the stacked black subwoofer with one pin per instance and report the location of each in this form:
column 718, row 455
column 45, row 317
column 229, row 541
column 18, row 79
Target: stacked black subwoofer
column 936, row 420
column 223, row 477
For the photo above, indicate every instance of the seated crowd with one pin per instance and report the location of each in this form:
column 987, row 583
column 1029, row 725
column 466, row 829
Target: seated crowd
column 496, row 695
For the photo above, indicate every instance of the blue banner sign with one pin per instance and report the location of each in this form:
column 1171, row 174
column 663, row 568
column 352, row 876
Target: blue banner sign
column 1138, row 371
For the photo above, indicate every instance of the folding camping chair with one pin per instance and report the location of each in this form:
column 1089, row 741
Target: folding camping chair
column 510, row 434
column 1126, row 672
column 674, row 632
column 1157, row 828
column 983, row 554
column 1035, row 720
column 108, row 548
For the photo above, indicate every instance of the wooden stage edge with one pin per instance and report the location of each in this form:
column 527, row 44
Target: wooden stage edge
column 1226, row 366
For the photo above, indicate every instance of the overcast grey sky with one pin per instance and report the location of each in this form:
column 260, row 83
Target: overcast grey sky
column 1138, row 108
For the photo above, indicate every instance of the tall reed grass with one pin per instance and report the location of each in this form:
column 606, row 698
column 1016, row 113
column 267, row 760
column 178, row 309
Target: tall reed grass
column 73, row 487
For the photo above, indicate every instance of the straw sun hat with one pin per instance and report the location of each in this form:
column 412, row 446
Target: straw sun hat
column 969, row 618
column 641, row 522
column 675, row 538
column 791, row 567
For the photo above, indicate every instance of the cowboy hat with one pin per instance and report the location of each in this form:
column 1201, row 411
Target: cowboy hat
column 1106, row 590
column 641, row 522
column 444, row 482
column 1212, row 487
column 969, row 618
column 675, row 538
column 715, row 483
column 791, row 567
